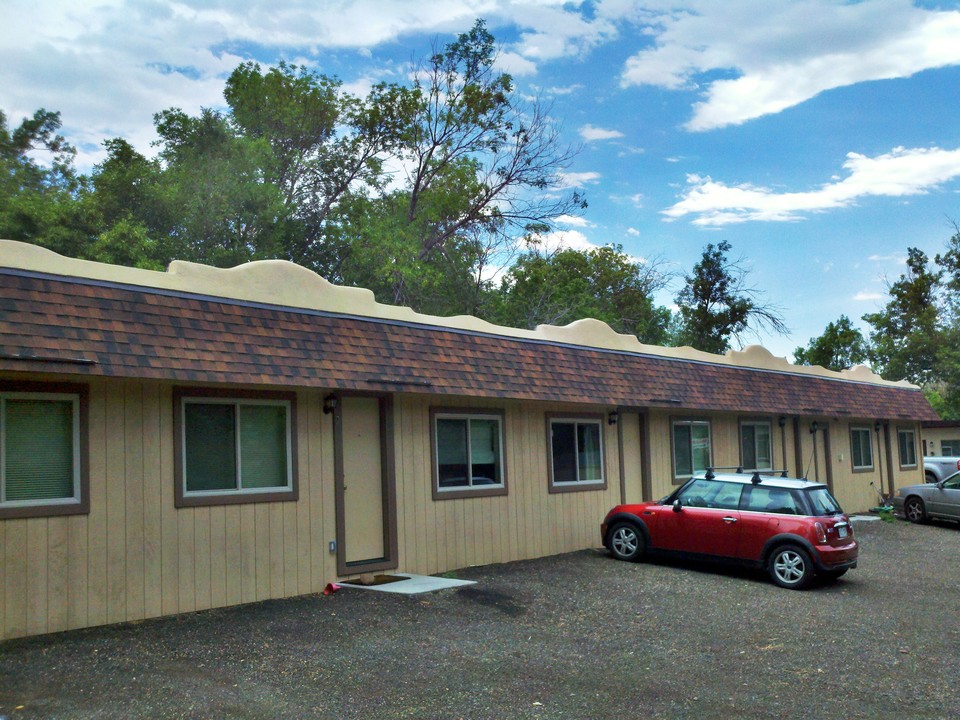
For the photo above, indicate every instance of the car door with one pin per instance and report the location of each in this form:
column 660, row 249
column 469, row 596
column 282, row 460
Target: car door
column 945, row 498
column 707, row 522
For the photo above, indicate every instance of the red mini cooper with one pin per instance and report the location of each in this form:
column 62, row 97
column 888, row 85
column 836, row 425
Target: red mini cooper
column 793, row 528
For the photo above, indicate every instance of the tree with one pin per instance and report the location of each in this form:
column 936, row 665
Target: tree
column 478, row 161
column 945, row 396
column 716, row 304
column 41, row 203
column 907, row 334
column 601, row 283
column 840, row 347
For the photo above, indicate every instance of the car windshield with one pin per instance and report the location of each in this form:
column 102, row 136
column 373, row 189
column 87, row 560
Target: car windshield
column 823, row 503
column 953, row 481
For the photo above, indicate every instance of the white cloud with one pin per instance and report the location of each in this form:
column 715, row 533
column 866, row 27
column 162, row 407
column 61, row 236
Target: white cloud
column 515, row 64
column 633, row 232
column 783, row 54
column 578, row 180
column 591, row 133
column 899, row 173
column 572, row 220
column 564, row 240
column 865, row 296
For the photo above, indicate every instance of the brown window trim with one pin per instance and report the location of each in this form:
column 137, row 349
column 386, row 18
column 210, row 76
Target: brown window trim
column 585, row 486
column 82, row 507
column 473, row 492
column 181, row 499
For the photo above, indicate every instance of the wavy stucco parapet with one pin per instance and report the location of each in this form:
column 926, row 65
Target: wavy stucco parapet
column 279, row 282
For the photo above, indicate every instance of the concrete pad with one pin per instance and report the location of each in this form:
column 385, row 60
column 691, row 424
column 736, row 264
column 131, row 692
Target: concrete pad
column 410, row 584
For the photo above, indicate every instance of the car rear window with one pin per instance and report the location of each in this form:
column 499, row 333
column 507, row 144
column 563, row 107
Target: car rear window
column 823, row 503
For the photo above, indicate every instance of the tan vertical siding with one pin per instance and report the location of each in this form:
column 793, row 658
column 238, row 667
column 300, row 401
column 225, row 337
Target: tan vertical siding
column 136, row 555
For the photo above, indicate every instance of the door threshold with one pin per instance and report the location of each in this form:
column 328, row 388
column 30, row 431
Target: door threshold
column 407, row 584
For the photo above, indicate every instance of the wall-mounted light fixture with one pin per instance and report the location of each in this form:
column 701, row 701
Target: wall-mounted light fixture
column 814, row 426
column 782, row 421
column 876, row 426
column 613, row 416
column 330, row 403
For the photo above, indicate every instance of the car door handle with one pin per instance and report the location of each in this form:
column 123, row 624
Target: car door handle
column 729, row 520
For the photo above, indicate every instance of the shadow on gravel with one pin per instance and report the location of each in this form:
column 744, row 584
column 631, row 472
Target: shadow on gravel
column 491, row 598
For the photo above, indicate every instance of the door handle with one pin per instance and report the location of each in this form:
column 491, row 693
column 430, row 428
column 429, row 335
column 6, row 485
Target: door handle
column 729, row 520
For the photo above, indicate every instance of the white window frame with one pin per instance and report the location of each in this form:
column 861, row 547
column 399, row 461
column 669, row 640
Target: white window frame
column 867, row 432
column 755, row 423
column 470, row 488
column 901, row 432
column 74, row 399
column 579, row 483
column 236, row 403
column 677, row 477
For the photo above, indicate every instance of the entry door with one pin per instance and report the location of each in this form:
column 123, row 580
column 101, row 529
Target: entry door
column 363, row 489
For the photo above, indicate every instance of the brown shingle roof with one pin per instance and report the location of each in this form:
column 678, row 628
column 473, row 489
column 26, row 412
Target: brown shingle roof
column 94, row 328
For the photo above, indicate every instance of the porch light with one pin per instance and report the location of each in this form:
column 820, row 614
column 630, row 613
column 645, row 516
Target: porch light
column 330, row 403
column 613, row 416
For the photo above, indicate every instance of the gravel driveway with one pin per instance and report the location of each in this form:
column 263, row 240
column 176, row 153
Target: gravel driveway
column 572, row 636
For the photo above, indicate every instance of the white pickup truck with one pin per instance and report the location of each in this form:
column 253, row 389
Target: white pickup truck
column 937, row 468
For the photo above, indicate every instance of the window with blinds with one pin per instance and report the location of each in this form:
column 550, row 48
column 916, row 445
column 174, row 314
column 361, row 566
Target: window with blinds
column 39, row 449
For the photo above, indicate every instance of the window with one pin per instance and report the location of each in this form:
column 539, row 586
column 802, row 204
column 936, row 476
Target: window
column 756, row 446
column 576, row 454
column 691, row 447
column 468, row 454
column 763, row 498
column 234, row 447
column 42, row 463
column 861, row 448
column 950, row 447
column 906, row 439
column 711, row 494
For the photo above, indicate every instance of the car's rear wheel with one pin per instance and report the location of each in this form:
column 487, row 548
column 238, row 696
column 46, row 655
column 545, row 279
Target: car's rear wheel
column 915, row 510
column 626, row 542
column 790, row 567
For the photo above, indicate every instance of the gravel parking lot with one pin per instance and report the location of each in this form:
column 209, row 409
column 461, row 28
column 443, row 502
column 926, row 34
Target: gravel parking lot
column 573, row 636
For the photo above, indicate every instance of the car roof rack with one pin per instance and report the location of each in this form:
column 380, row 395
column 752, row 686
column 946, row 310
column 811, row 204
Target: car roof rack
column 711, row 474
column 756, row 475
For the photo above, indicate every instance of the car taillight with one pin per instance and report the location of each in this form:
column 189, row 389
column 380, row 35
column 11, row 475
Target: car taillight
column 821, row 533
column 958, row 464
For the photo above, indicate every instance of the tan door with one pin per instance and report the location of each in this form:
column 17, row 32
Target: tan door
column 363, row 486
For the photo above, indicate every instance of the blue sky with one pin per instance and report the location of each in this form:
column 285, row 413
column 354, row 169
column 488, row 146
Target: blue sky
column 820, row 138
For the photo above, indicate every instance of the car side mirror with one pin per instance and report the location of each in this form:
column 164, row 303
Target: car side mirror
column 677, row 506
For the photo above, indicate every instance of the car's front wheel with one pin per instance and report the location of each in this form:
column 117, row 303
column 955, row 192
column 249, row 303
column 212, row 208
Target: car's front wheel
column 790, row 567
column 915, row 510
column 626, row 542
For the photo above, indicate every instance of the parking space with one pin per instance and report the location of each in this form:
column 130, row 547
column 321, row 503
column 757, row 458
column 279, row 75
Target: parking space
column 574, row 636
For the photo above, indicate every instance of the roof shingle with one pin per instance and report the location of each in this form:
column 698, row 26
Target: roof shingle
column 86, row 327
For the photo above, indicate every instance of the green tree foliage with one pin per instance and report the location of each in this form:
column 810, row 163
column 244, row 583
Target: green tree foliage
column 945, row 397
column 841, row 346
column 40, row 202
column 568, row 285
column 906, row 335
column 716, row 304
